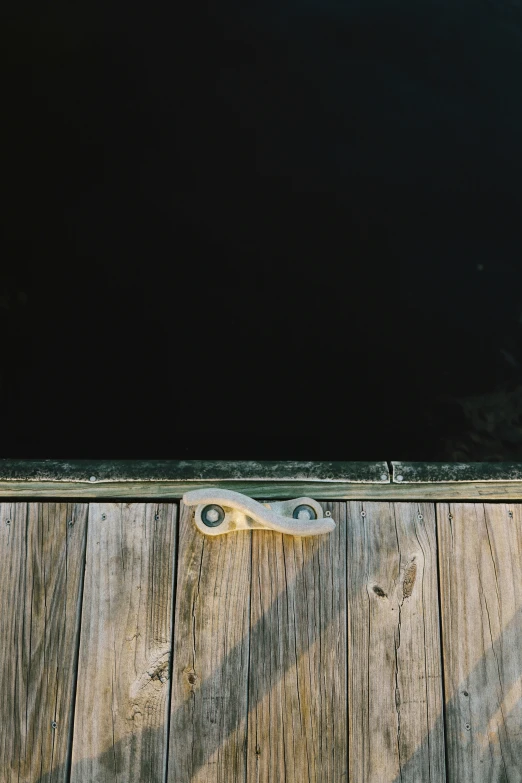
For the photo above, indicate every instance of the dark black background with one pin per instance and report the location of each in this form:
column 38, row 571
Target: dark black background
column 272, row 230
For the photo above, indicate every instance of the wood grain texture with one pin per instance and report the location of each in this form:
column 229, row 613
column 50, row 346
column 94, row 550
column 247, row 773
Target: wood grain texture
column 480, row 551
column 268, row 490
column 396, row 730
column 210, row 667
column 297, row 730
column 120, row 730
column 41, row 568
column 207, row 471
column 127, row 490
column 456, row 472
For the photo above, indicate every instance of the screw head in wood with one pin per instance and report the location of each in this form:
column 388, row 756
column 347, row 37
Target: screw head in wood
column 328, row 513
column 420, row 516
column 71, row 522
column 7, row 521
column 104, row 517
column 363, row 513
column 54, row 724
column 304, row 512
column 212, row 515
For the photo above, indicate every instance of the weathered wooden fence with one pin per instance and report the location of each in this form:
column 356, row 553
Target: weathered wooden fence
column 134, row 648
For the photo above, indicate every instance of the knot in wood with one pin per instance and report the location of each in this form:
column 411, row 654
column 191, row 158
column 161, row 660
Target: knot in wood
column 409, row 579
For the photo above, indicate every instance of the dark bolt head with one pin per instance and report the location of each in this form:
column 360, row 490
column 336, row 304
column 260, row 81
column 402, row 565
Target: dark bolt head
column 212, row 515
column 304, row 512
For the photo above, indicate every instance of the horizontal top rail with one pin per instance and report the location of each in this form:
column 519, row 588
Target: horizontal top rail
column 443, row 472
column 172, row 478
column 164, row 479
column 190, row 470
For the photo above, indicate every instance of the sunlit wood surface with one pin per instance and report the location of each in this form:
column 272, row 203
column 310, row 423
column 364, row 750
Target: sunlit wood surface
column 136, row 649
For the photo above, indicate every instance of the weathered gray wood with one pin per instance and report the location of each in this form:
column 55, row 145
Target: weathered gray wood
column 120, row 730
column 465, row 490
column 449, row 472
column 210, row 666
column 508, row 490
column 139, row 479
column 42, row 550
column 174, row 490
column 297, row 730
column 480, row 552
column 190, row 470
column 395, row 690
column 170, row 479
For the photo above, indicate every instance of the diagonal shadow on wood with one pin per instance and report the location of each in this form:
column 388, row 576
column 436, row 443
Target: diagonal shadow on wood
column 112, row 760
column 497, row 742
column 214, row 714
column 488, row 742
column 495, row 745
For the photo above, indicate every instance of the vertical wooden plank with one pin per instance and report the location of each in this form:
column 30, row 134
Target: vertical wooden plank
column 297, row 731
column 395, row 688
column 120, row 729
column 42, row 550
column 481, row 589
column 210, row 667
